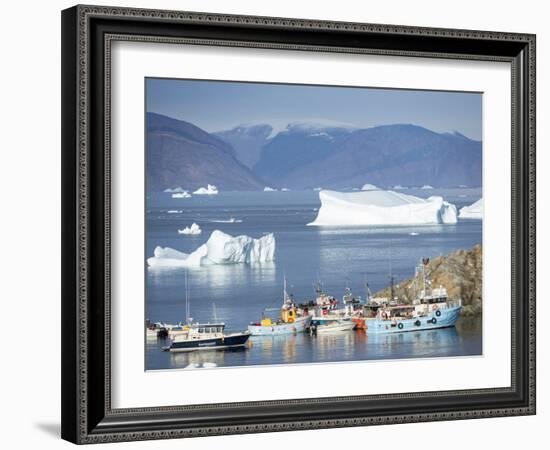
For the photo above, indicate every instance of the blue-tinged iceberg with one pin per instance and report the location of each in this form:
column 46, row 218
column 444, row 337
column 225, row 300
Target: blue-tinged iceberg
column 382, row 208
column 221, row 248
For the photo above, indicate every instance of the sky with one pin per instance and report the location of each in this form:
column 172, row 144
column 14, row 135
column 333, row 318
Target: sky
column 222, row 105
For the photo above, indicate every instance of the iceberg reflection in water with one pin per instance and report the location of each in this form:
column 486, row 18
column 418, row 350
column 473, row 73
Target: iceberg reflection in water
column 336, row 347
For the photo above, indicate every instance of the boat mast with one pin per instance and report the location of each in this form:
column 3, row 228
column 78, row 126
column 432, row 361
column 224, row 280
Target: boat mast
column 367, row 292
column 392, row 288
column 186, row 298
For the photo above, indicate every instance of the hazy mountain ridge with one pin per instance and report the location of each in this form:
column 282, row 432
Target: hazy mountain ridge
column 247, row 141
column 303, row 157
column 181, row 154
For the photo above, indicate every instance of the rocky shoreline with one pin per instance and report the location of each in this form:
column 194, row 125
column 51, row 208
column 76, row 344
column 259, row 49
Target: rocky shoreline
column 460, row 272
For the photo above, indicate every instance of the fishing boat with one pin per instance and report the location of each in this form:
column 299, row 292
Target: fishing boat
column 331, row 326
column 431, row 309
column 206, row 336
column 195, row 336
column 289, row 322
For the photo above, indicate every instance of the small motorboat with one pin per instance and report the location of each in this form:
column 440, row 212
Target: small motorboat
column 206, row 336
column 332, row 326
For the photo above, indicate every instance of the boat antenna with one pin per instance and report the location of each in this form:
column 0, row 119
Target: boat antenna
column 186, row 298
column 215, row 312
column 367, row 291
column 392, row 287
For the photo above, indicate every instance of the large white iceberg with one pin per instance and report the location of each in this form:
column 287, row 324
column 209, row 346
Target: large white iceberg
column 221, row 248
column 208, row 190
column 369, row 187
column 194, row 229
column 474, row 211
column 382, row 208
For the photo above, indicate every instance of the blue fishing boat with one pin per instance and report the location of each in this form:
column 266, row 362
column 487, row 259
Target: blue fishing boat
column 289, row 322
column 431, row 309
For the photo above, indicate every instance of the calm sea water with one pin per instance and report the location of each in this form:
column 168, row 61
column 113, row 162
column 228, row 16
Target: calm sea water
column 338, row 257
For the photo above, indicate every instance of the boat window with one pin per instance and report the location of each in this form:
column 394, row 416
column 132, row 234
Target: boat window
column 201, row 330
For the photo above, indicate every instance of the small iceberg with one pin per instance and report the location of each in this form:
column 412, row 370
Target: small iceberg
column 174, row 211
column 209, row 365
column 382, row 208
column 269, row 189
column 194, row 229
column 413, row 233
column 176, row 189
column 427, row 186
column 398, row 187
column 369, row 187
column 221, row 248
column 285, row 189
column 230, row 220
column 183, row 194
column 210, row 189
column 474, row 211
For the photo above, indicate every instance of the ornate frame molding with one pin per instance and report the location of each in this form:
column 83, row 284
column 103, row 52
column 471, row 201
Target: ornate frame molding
column 86, row 29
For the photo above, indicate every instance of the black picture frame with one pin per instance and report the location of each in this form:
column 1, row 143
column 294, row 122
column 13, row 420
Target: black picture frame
column 87, row 33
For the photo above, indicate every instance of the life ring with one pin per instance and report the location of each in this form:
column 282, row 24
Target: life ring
column 400, row 326
column 438, row 313
column 417, row 323
column 434, row 320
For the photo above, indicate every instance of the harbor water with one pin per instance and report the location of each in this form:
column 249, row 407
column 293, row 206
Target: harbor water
column 338, row 257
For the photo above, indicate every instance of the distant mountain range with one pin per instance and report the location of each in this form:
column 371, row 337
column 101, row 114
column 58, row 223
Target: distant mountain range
column 305, row 156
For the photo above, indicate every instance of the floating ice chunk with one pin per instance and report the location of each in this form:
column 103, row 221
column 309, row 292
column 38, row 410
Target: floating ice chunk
column 209, row 365
column 226, row 249
column 174, row 211
column 382, row 208
column 176, row 189
column 369, row 187
column 413, row 233
column 285, row 189
column 194, row 229
column 192, row 366
column 269, row 189
column 318, row 189
column 209, row 190
column 398, row 187
column 221, row 248
column 474, row 211
column 168, row 257
column 230, row 220
column 427, row 186
column 183, row 194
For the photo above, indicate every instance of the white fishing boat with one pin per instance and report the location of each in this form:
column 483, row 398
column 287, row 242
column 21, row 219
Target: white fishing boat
column 333, row 326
